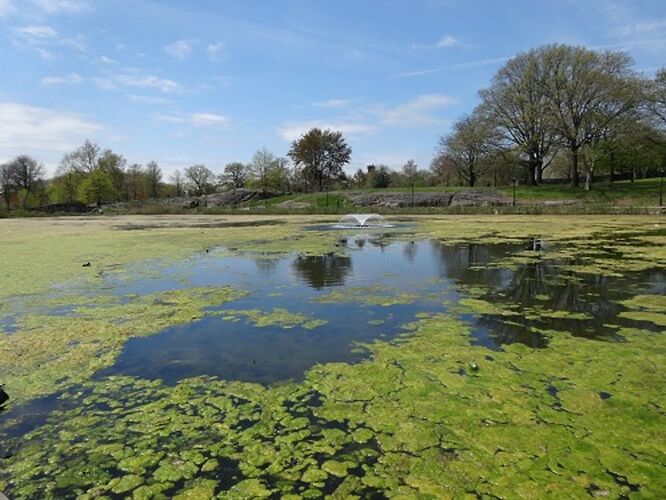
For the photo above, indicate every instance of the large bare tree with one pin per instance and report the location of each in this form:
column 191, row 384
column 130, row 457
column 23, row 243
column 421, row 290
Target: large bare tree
column 518, row 100
column 586, row 91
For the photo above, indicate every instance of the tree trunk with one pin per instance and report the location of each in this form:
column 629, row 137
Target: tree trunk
column 589, row 178
column 532, row 168
column 575, row 177
column 539, row 172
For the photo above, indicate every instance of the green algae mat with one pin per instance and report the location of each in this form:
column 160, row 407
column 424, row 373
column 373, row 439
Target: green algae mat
column 240, row 357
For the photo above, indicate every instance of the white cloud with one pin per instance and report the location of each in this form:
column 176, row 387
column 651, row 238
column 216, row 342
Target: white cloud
column 203, row 119
column 215, row 50
column 46, row 55
column 60, row 6
column 643, row 27
column 208, row 119
column 37, row 31
column 417, row 112
column 180, row 49
column 108, row 60
column 334, row 103
column 447, row 41
column 59, row 80
column 6, row 8
column 42, row 132
column 136, row 81
column 293, row 130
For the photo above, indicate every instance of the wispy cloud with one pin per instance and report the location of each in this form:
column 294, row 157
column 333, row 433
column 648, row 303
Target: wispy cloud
column 108, row 60
column 293, row 130
column 137, row 81
column 216, row 50
column 365, row 119
column 42, row 32
column 180, row 49
column 60, row 80
column 447, row 41
column 417, row 112
column 202, row 119
column 456, row 66
column 63, row 6
column 44, row 132
column 333, row 103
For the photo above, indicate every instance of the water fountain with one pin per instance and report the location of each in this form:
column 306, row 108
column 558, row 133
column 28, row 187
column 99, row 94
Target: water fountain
column 363, row 220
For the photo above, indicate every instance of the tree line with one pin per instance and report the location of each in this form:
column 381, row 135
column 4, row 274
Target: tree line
column 554, row 111
column 570, row 110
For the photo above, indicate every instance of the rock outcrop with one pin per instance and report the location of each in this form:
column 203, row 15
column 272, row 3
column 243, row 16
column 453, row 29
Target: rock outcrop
column 474, row 198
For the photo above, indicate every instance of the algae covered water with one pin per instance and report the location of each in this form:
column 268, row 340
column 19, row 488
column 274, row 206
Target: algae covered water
column 391, row 364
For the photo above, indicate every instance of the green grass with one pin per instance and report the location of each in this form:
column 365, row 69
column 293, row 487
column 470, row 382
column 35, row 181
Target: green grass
column 644, row 192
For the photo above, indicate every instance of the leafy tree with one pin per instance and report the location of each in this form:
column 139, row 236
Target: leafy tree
column 199, row 179
column 360, row 179
column 586, row 92
column 235, row 174
column 134, row 182
column 322, row 154
column 97, row 188
column 381, row 177
column 114, row 165
column 518, row 101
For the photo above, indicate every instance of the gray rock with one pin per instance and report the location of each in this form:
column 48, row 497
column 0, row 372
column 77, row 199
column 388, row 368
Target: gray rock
column 398, row 200
column 478, row 198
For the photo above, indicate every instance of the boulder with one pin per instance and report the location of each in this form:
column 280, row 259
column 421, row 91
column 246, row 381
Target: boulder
column 479, row 198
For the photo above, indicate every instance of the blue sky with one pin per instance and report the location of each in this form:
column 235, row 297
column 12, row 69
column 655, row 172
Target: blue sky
column 212, row 81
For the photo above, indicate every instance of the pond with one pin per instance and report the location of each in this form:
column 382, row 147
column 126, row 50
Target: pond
column 294, row 314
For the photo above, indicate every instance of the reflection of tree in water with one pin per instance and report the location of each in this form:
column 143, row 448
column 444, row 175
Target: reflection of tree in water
column 266, row 264
column 320, row 271
column 465, row 263
column 409, row 250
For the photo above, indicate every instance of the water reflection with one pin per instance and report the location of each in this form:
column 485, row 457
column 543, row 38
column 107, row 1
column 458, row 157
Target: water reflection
column 323, row 270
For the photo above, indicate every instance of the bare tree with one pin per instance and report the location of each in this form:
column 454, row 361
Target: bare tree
column 518, row 101
column 656, row 96
column 153, row 179
column 177, row 180
column 83, row 160
column 6, row 184
column 471, row 142
column 586, row 91
column 27, row 175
